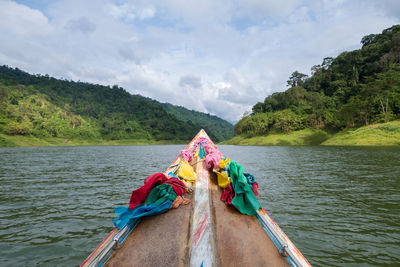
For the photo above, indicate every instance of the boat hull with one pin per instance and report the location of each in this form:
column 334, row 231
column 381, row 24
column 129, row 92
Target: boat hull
column 167, row 239
column 205, row 232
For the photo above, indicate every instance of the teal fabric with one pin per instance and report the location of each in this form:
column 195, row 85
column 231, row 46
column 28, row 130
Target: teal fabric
column 173, row 175
column 244, row 200
column 250, row 178
column 130, row 217
column 159, row 194
column 158, row 201
column 202, row 151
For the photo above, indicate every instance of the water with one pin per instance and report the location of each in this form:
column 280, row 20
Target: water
column 339, row 206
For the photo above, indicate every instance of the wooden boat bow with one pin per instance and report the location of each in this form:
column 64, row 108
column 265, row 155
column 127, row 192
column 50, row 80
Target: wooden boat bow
column 204, row 233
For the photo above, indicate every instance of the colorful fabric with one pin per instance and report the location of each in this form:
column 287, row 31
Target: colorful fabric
column 255, row 189
column 159, row 194
column 250, row 178
column 212, row 155
column 252, row 181
column 202, row 151
column 128, row 216
column 227, row 195
column 187, row 155
column 171, row 174
column 138, row 196
column 223, row 179
column 223, row 163
column 177, row 185
column 186, row 172
column 244, row 199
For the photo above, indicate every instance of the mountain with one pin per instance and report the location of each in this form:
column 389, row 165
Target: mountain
column 42, row 106
column 354, row 89
column 218, row 128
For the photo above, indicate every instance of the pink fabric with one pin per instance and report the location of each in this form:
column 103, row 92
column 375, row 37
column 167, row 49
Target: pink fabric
column 212, row 157
column 228, row 194
column 255, row 189
column 187, row 155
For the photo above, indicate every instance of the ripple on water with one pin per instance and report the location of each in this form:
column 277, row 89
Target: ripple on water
column 338, row 205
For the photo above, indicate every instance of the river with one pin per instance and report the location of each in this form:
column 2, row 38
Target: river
column 339, row 205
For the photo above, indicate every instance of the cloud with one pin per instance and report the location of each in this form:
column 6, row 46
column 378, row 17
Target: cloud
column 129, row 12
column 81, row 24
column 215, row 56
column 190, row 81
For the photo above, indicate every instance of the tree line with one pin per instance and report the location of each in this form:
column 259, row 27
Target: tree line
column 354, row 89
column 43, row 106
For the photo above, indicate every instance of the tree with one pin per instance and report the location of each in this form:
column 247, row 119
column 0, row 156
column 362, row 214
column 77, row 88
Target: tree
column 296, row 79
column 368, row 39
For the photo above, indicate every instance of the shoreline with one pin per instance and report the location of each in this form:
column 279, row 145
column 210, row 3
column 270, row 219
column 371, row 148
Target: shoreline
column 32, row 141
column 381, row 134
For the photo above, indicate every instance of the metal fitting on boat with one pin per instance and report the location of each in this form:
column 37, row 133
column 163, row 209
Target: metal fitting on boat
column 283, row 251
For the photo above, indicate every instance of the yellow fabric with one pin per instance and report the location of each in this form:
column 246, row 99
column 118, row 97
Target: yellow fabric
column 223, row 179
column 223, row 163
column 186, row 172
column 196, row 153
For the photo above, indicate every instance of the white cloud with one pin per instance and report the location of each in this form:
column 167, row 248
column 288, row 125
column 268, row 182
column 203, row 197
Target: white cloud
column 215, row 56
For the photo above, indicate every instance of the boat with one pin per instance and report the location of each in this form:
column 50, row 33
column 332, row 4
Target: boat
column 206, row 232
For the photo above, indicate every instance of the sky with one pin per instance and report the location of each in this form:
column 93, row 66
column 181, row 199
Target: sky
column 215, row 56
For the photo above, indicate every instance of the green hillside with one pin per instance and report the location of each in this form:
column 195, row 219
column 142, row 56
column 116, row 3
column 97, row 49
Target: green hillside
column 217, row 128
column 380, row 134
column 355, row 89
column 44, row 107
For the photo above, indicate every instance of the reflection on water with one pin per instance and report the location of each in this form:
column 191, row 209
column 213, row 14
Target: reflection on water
column 339, row 206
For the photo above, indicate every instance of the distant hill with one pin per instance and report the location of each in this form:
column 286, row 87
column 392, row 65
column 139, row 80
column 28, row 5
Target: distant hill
column 355, row 89
column 217, row 128
column 42, row 106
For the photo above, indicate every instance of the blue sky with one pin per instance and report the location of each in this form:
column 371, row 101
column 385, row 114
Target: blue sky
column 214, row 56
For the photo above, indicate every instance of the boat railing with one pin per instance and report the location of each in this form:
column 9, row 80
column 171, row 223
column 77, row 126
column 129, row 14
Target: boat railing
column 285, row 249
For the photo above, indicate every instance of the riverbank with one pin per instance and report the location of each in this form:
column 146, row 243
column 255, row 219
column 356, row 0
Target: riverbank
column 27, row 141
column 382, row 134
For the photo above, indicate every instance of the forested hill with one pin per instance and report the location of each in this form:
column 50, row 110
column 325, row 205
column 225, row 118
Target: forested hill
column 354, row 89
column 42, row 106
column 206, row 121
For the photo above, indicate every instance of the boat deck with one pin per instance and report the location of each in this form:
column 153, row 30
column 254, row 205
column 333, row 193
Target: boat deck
column 166, row 239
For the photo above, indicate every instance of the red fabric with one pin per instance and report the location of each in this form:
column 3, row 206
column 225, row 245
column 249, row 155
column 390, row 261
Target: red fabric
column 228, row 194
column 178, row 186
column 255, row 189
column 139, row 195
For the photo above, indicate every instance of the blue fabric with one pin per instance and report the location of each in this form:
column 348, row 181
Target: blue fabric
column 250, row 178
column 202, row 151
column 173, row 175
column 227, row 169
column 126, row 216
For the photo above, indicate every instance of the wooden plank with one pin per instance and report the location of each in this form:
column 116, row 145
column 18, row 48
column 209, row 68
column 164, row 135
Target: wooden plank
column 240, row 239
column 161, row 240
column 202, row 252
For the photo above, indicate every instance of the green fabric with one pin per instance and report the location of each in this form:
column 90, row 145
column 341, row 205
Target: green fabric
column 159, row 194
column 244, row 200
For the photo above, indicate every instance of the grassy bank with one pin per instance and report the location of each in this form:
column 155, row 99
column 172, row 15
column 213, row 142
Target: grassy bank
column 24, row 141
column 297, row 138
column 383, row 134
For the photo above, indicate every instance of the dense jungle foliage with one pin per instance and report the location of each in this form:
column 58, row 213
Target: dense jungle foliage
column 43, row 106
column 354, row 89
column 208, row 122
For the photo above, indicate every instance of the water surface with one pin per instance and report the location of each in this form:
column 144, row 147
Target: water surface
column 338, row 205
